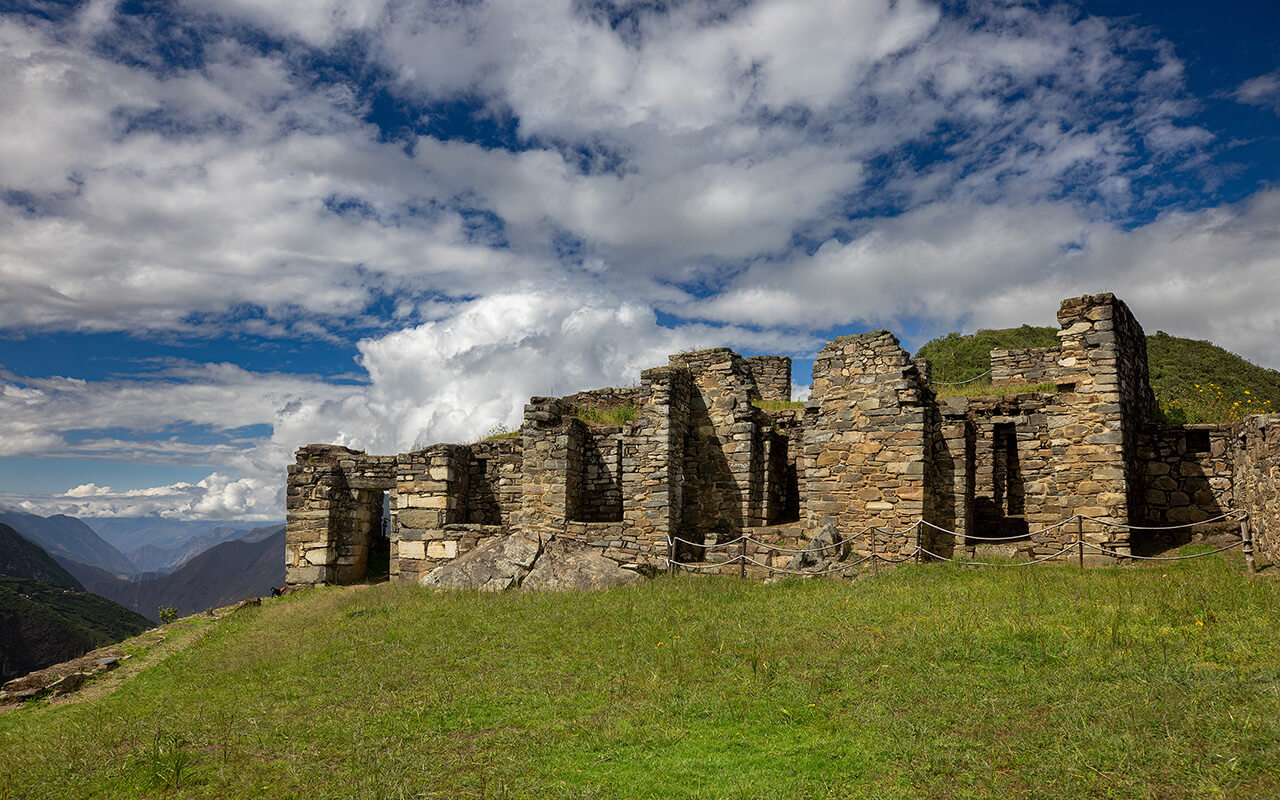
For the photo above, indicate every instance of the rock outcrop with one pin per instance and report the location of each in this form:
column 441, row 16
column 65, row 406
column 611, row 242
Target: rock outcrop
column 499, row 564
column 509, row 562
column 565, row 566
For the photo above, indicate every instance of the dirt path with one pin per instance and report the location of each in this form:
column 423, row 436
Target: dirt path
column 131, row 657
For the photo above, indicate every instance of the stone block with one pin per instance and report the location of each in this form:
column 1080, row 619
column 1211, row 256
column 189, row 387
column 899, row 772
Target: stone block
column 412, row 550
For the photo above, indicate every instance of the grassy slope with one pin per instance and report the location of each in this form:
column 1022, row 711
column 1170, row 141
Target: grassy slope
column 1046, row 682
column 1177, row 365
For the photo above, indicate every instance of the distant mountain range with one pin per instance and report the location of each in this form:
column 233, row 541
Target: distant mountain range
column 224, row 574
column 68, row 538
column 153, row 558
column 128, row 546
column 150, row 535
column 45, row 614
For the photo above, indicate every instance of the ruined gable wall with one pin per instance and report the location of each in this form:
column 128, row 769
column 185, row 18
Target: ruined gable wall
column 867, row 448
column 1108, row 398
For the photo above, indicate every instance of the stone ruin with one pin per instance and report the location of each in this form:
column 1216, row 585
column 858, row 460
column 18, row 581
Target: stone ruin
column 873, row 446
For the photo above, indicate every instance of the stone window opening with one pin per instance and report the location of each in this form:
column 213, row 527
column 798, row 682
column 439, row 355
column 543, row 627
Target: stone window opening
column 1197, row 441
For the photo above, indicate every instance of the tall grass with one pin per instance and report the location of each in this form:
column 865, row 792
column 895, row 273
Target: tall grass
column 929, row 681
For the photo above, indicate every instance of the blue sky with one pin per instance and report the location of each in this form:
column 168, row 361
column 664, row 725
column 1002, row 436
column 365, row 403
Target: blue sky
column 232, row 227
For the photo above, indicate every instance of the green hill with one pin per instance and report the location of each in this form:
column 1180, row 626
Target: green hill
column 42, row 625
column 45, row 615
column 1194, row 381
column 1054, row 682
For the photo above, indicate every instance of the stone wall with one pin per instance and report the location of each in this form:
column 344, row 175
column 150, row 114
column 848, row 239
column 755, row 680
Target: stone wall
column 552, row 466
column 724, row 454
column 1024, row 478
column 950, row 477
column 1105, row 400
column 495, row 480
column 600, row 459
column 873, row 446
column 1187, row 471
column 1028, row 365
column 784, row 479
column 653, row 479
column 334, row 504
column 430, row 496
column 867, row 448
column 608, row 397
column 772, row 377
column 1255, row 459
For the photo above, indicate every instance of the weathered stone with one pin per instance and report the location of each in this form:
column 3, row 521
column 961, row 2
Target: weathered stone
column 567, row 566
column 495, row 566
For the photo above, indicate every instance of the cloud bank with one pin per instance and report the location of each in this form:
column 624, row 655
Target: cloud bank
column 501, row 198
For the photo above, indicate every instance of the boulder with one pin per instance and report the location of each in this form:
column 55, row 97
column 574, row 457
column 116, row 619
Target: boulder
column 565, row 566
column 819, row 550
column 494, row 566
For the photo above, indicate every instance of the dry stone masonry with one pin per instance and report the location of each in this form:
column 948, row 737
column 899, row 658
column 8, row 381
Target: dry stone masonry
column 698, row 460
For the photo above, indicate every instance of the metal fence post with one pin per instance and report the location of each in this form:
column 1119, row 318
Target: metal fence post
column 1080, row 540
column 1246, row 539
column 875, row 562
column 671, row 555
column 742, row 558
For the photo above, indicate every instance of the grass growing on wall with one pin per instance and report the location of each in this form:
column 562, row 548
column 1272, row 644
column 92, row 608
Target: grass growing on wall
column 1046, row 682
column 619, row 414
column 777, row 405
column 985, row 389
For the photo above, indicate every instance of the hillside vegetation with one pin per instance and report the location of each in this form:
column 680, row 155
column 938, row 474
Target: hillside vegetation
column 42, row 625
column 45, row 615
column 1194, row 381
column 1050, row 682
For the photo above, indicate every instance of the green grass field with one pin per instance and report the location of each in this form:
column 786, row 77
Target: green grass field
column 929, row 681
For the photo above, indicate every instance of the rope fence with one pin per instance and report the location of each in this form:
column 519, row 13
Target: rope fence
column 918, row 552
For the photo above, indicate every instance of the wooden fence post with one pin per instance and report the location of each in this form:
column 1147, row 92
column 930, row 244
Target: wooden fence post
column 1246, row 539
